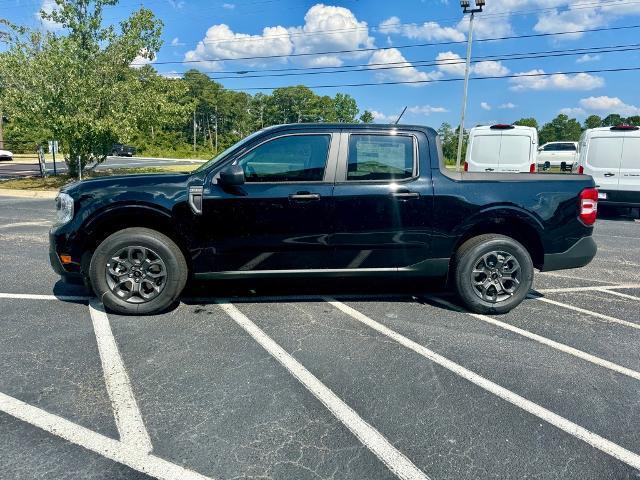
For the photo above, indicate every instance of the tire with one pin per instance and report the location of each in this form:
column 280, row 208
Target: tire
column 477, row 254
column 142, row 259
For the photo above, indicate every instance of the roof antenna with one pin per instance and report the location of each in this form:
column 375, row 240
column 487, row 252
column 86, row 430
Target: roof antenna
column 396, row 122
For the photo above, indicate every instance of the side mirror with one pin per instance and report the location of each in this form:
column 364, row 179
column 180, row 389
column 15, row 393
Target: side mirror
column 547, row 166
column 231, row 176
column 539, row 149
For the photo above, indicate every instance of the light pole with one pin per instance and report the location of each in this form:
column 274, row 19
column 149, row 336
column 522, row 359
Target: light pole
column 465, row 4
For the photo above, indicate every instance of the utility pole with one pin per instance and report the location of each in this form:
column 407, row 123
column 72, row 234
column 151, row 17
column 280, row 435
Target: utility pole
column 1, row 131
column 465, row 6
column 194, row 130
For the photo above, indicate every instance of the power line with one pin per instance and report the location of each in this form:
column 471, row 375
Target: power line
column 447, row 80
column 445, row 62
column 413, row 45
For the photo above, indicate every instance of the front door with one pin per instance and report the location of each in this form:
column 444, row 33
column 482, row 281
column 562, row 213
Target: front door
column 382, row 205
column 279, row 219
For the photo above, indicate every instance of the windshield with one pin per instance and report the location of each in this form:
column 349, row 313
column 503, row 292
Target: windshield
column 226, row 152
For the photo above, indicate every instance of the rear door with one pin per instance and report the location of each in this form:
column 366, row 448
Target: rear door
column 515, row 153
column 382, row 201
column 485, row 153
column 630, row 165
column 603, row 159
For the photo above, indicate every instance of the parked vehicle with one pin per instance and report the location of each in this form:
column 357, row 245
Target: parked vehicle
column 120, row 150
column 558, row 154
column 611, row 156
column 502, row 148
column 6, row 155
column 323, row 200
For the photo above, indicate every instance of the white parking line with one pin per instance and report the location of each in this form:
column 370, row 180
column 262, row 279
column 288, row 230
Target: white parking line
column 125, row 408
column 602, row 316
column 399, row 464
column 115, row 450
column 545, row 341
column 587, row 289
column 554, row 419
column 623, row 295
column 31, row 296
column 26, row 224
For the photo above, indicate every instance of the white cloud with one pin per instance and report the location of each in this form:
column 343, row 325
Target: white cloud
column 228, row 6
column 490, row 69
column 407, row 74
column 176, row 42
column 606, row 104
column 342, row 31
column 588, row 58
column 507, row 106
column 424, row 31
column 452, row 64
column 221, row 42
column 573, row 112
column 485, row 106
column 142, row 59
column 536, row 80
column 419, row 110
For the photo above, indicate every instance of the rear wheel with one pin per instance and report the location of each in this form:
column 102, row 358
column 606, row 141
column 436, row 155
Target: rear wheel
column 492, row 273
column 138, row 271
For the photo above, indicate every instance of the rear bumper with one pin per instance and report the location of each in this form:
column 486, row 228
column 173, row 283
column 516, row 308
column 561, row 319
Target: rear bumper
column 620, row 198
column 579, row 255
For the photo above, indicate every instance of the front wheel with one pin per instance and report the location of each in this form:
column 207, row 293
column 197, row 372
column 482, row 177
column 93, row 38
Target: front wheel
column 138, row 271
column 492, row 273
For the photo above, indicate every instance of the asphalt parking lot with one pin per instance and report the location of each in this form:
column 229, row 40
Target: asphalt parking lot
column 319, row 381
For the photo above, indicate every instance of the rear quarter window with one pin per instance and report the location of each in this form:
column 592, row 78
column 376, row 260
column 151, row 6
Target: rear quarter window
column 605, row 152
column 380, row 157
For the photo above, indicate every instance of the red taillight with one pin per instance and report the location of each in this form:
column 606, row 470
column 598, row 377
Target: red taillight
column 532, row 168
column 466, row 166
column 589, row 206
column 580, row 170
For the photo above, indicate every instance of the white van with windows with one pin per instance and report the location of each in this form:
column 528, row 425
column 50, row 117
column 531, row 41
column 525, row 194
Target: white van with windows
column 611, row 155
column 502, row 148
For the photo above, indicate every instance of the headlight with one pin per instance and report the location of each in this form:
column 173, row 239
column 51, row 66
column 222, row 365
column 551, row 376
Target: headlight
column 64, row 206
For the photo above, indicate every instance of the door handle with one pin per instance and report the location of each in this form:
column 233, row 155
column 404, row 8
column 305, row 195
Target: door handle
column 405, row 194
column 609, row 174
column 488, row 169
column 305, row 197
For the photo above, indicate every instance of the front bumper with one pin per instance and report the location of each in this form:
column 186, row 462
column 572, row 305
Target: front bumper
column 579, row 255
column 70, row 272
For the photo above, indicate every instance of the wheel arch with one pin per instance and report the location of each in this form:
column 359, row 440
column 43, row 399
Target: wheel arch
column 118, row 217
column 516, row 224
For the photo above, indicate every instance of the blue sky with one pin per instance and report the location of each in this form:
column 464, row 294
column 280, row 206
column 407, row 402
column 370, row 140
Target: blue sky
column 201, row 31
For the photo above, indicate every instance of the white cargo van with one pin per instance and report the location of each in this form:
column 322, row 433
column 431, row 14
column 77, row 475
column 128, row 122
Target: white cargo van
column 502, row 148
column 612, row 157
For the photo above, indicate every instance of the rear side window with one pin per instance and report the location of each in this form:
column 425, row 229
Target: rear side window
column 296, row 158
column 486, row 149
column 560, row 147
column 605, row 152
column 380, row 157
column 631, row 153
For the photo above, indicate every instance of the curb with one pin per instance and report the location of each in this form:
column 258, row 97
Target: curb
column 9, row 192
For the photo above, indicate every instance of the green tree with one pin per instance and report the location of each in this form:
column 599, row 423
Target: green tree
column 593, row 121
column 612, row 120
column 367, row 117
column 78, row 86
column 634, row 120
column 527, row 122
column 561, row 128
column 346, row 108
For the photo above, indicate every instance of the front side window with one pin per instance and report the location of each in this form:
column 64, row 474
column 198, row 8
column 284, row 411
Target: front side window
column 295, row 158
column 380, row 157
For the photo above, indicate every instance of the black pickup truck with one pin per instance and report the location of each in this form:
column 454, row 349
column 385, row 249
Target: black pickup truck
column 323, row 200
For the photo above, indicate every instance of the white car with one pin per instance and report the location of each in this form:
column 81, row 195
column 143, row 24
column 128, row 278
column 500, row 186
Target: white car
column 6, row 155
column 557, row 153
column 502, row 149
column 611, row 156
